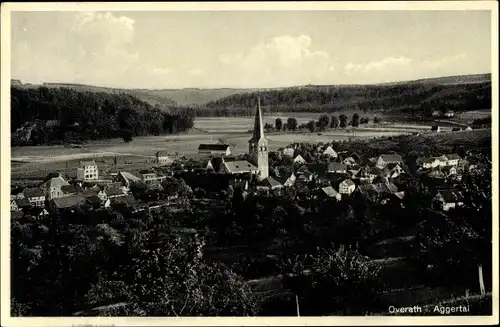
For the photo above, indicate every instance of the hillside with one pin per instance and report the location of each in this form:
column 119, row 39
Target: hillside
column 55, row 115
column 413, row 98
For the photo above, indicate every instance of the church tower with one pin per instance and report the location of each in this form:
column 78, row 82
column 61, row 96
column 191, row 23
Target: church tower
column 258, row 149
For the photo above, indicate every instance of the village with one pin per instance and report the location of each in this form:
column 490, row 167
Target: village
column 326, row 171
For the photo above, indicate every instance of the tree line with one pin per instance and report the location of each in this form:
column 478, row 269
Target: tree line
column 57, row 115
column 324, row 122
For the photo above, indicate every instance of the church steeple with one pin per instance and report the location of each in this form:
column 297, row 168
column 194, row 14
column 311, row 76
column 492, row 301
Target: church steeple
column 258, row 127
column 257, row 146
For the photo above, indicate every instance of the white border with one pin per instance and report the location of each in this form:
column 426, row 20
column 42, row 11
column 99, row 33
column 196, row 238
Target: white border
column 7, row 8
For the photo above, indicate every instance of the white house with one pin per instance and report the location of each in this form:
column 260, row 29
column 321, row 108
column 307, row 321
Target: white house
column 449, row 113
column 347, row 187
column 452, row 159
column 428, row 163
column 238, row 167
column 87, row 170
column 330, row 152
column 449, row 199
column 163, row 158
column 299, row 160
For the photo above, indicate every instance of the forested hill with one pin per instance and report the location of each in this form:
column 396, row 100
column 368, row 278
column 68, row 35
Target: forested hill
column 54, row 115
column 417, row 97
column 153, row 97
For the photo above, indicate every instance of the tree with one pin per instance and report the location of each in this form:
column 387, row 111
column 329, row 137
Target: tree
column 355, row 120
column 311, row 126
column 140, row 190
column 127, row 136
column 278, row 124
column 323, row 122
column 376, row 120
column 343, row 121
column 291, row 123
column 334, row 122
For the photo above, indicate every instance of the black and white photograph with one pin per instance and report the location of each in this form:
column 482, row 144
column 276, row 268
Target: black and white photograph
column 249, row 160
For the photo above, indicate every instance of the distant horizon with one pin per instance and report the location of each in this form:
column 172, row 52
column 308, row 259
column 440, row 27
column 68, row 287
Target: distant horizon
column 247, row 88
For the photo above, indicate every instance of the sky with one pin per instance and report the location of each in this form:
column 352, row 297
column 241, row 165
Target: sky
column 247, row 49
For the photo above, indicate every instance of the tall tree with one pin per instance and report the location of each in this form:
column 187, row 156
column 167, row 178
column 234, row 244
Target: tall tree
column 343, row 121
column 355, row 120
column 334, row 122
column 278, row 124
column 291, row 123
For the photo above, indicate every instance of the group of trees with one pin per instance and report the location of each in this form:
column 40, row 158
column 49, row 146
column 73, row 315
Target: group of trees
column 81, row 116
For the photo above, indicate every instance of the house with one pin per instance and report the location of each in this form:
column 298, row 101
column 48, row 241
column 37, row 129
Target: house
column 385, row 159
column 448, row 199
column 289, row 152
column 268, row 183
column 284, row 175
column 378, row 192
column 35, row 196
column 437, row 173
column 363, row 174
column 329, row 192
column 87, row 170
column 52, row 187
column 68, row 190
column 111, row 192
column 36, row 212
column 349, row 161
column 149, row 176
column 436, row 113
column 347, row 187
column 126, row 178
column 468, row 128
column 214, row 149
column 299, row 160
column 449, row 171
column 66, row 203
column 215, row 163
column 394, row 170
column 21, row 204
column 163, row 158
column 238, row 167
column 453, row 159
column 330, row 152
column 449, row 113
column 429, row 162
column 436, row 129
column 337, row 168
column 14, row 206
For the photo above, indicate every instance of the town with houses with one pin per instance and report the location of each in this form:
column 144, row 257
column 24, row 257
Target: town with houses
column 331, row 174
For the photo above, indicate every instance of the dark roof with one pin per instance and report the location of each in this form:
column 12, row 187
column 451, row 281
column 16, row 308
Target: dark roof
column 22, row 203
column 127, row 200
column 31, row 192
column 67, row 189
column 113, row 191
column 213, row 147
column 216, row 163
column 93, row 199
column 69, row 201
column 335, row 166
column 269, row 182
column 453, row 156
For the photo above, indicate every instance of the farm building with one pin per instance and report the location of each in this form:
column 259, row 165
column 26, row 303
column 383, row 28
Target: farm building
column 238, row 167
column 330, row 152
column 214, row 149
column 268, row 183
column 35, row 196
column 299, row 159
column 52, row 187
column 448, row 199
column 330, row 192
column 385, row 159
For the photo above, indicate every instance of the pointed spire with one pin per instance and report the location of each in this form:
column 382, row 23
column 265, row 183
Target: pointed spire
column 258, row 128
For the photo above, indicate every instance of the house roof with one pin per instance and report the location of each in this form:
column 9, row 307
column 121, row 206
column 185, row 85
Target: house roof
column 348, row 182
column 110, row 191
column 69, row 201
column 216, row 163
column 450, row 196
column 213, row 147
column 393, row 157
column 87, row 163
column 67, row 189
column 330, row 191
column 453, row 156
column 128, row 176
column 329, row 149
column 55, row 182
column 93, row 199
column 299, row 157
column 22, row 203
column 336, row 166
column 32, row 192
column 269, row 182
column 239, row 166
column 379, row 188
column 127, row 200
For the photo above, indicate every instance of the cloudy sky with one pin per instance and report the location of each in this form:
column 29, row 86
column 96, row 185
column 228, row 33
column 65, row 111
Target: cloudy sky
column 247, row 48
